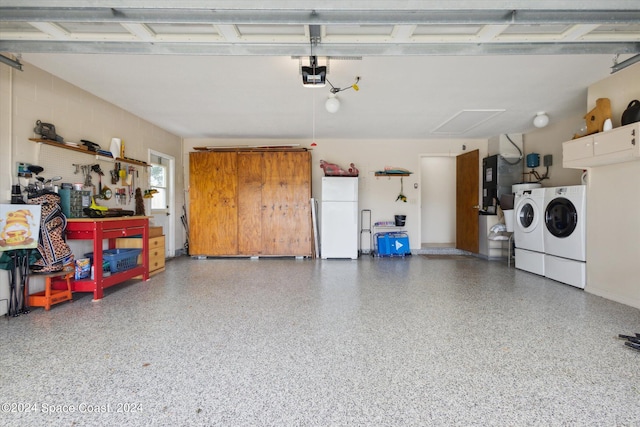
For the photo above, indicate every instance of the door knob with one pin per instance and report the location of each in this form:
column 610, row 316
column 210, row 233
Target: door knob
column 476, row 207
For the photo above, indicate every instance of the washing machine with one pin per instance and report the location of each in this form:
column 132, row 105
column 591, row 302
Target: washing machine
column 528, row 230
column 565, row 234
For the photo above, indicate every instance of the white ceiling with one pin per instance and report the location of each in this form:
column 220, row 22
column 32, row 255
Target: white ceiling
column 232, row 71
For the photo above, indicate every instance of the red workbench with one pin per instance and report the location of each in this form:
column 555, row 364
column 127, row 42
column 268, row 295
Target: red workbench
column 98, row 229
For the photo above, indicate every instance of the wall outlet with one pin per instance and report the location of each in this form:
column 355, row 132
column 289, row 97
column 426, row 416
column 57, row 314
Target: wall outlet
column 547, row 160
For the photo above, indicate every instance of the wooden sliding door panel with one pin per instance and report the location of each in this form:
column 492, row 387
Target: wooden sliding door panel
column 213, row 203
column 286, row 214
column 250, row 167
column 250, row 203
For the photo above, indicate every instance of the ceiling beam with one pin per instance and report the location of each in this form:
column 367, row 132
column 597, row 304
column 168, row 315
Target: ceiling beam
column 331, row 4
column 141, row 31
column 51, row 29
column 577, row 31
column 324, row 17
column 299, row 49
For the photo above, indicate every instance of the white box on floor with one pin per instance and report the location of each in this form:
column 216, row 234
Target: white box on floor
column 565, row 270
column 530, row 261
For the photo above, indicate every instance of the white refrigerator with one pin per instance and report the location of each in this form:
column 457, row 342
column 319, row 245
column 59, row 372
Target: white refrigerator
column 339, row 217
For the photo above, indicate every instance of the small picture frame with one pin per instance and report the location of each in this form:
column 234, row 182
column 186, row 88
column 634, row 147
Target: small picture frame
column 19, row 226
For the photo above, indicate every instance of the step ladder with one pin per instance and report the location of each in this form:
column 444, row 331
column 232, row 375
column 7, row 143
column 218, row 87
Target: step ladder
column 365, row 227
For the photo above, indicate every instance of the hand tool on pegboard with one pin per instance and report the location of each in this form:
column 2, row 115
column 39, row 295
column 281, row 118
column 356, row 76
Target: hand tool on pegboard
column 130, row 183
column 115, row 173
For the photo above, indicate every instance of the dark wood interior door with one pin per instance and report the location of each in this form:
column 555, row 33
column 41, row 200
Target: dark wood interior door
column 213, row 210
column 467, row 191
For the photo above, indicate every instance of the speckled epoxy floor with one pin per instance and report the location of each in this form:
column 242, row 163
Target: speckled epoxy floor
column 284, row 342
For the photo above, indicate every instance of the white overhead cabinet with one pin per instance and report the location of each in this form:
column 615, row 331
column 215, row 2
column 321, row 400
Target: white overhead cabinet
column 615, row 146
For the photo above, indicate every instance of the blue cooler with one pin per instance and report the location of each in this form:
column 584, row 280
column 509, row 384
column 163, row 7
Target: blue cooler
column 393, row 244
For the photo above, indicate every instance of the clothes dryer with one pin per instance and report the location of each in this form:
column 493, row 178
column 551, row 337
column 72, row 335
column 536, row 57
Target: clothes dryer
column 565, row 234
column 529, row 230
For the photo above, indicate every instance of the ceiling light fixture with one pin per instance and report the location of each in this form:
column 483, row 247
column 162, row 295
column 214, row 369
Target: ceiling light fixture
column 541, row 120
column 333, row 103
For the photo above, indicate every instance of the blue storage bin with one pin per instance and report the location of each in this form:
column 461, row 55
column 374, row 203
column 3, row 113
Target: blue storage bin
column 393, row 244
column 119, row 259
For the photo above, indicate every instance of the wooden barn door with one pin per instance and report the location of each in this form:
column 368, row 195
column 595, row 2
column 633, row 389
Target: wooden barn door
column 250, row 166
column 213, row 211
column 286, row 213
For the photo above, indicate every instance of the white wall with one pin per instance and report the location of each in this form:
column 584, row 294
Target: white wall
column 438, row 196
column 613, row 206
column 549, row 141
column 621, row 88
column 376, row 193
column 37, row 95
column 613, row 232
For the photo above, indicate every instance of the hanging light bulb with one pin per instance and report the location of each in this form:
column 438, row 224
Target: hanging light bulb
column 332, row 104
column 541, row 120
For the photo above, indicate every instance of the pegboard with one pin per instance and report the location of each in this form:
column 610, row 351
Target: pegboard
column 59, row 162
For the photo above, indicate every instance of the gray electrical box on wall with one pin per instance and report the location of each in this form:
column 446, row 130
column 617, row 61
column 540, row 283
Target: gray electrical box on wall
column 547, row 160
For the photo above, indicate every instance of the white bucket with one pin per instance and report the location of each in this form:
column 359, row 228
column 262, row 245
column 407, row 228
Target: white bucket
column 508, row 219
column 116, row 147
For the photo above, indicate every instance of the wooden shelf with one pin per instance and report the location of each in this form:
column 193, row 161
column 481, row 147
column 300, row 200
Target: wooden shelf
column 86, row 151
column 392, row 174
column 131, row 161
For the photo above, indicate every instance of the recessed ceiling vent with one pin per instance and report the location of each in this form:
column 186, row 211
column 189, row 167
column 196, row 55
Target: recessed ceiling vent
column 466, row 120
